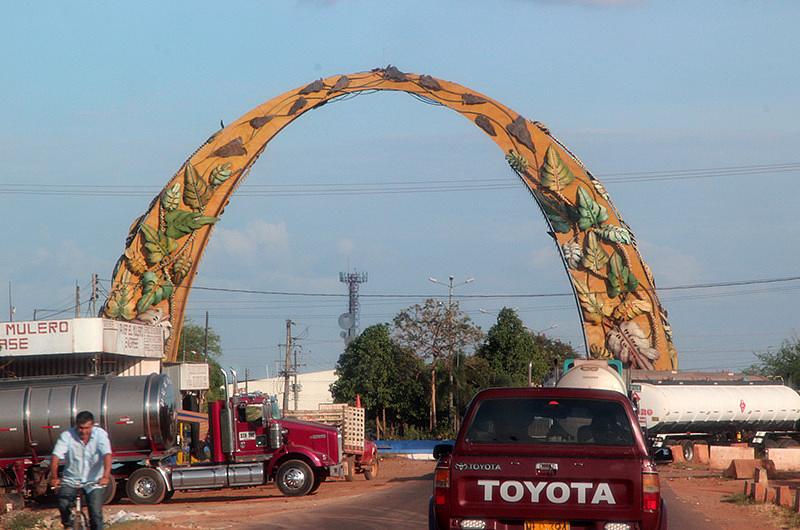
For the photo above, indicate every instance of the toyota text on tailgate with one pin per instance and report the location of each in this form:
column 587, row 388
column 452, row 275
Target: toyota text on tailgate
column 547, row 459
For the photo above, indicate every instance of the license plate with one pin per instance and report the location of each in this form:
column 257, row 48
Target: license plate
column 546, row 525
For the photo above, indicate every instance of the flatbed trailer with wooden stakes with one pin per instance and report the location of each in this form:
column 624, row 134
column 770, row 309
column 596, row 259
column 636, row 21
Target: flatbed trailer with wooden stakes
column 360, row 454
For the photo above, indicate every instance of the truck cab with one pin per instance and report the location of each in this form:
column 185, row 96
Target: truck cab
column 547, row 459
column 248, row 446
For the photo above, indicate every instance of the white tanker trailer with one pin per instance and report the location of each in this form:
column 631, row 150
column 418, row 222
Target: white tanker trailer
column 677, row 407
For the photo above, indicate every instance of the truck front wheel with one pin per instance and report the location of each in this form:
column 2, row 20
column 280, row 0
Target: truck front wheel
column 294, row 478
column 319, row 478
column 146, row 486
column 371, row 471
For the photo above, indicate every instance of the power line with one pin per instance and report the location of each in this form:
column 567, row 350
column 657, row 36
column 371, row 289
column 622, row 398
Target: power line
column 708, row 285
column 389, row 187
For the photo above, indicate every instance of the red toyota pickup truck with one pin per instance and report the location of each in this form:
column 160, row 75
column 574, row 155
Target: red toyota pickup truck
column 547, row 459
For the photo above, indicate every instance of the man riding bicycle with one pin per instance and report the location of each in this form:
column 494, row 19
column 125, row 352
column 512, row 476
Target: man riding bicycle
column 86, row 453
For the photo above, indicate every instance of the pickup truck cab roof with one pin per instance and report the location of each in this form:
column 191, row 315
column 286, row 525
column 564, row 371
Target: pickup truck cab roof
column 547, row 459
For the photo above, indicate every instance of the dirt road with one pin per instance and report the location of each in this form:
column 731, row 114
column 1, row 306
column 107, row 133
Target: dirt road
column 398, row 499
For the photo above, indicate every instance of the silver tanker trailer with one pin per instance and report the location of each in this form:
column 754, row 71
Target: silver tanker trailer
column 138, row 412
column 687, row 407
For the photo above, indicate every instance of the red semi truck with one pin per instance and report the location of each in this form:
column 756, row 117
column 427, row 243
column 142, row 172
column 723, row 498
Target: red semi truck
column 139, row 415
column 547, row 459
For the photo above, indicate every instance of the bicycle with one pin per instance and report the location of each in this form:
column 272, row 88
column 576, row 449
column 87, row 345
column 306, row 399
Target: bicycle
column 80, row 519
column 79, row 516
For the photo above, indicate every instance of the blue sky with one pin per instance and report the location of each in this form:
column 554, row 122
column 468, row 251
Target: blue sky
column 112, row 94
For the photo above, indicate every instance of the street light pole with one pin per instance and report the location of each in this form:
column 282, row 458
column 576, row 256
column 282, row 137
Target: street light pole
column 453, row 382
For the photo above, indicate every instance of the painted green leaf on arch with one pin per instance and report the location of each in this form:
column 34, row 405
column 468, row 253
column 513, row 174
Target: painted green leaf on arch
column 591, row 213
column 180, row 222
column 620, row 279
column 595, row 258
column 555, row 174
column 195, row 190
column 157, row 244
column 616, row 234
column 220, row 174
column 154, row 290
column 558, row 215
column 171, row 197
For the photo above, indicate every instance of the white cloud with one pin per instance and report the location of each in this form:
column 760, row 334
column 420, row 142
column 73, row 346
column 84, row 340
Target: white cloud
column 258, row 240
column 544, row 258
column 670, row 266
column 345, row 246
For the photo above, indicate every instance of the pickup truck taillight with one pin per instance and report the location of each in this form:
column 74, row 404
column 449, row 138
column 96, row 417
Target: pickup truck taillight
column 441, row 485
column 651, row 488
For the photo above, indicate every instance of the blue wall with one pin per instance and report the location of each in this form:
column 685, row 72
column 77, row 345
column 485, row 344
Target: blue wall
column 424, row 447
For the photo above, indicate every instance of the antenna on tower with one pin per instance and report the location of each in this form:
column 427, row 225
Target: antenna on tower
column 349, row 321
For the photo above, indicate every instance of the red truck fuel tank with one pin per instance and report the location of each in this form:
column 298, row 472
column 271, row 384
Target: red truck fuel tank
column 547, row 459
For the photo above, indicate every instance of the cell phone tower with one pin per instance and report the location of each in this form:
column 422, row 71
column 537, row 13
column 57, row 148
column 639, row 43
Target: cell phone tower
column 349, row 321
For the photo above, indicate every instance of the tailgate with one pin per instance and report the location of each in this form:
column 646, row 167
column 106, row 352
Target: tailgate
column 547, row 487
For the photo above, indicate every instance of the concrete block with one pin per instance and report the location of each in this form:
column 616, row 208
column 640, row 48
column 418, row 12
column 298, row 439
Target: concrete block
column 677, row 454
column 760, row 492
column 787, row 497
column 700, row 454
column 720, row 456
column 786, row 459
column 761, row 475
column 772, row 495
column 747, row 469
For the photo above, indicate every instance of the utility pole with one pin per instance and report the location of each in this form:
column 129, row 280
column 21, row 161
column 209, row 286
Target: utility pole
column 205, row 339
column 77, row 300
column 453, row 381
column 11, row 309
column 287, row 365
column 295, row 386
column 94, row 294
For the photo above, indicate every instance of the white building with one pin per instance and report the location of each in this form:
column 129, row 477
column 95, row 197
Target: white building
column 314, row 389
column 79, row 346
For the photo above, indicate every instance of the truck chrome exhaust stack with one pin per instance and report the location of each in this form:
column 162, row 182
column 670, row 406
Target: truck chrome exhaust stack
column 227, row 417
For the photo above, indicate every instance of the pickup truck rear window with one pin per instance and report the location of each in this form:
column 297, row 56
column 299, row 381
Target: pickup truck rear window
column 550, row 421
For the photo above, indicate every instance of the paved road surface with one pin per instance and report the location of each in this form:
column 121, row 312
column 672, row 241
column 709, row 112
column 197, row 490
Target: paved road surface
column 405, row 506
column 682, row 514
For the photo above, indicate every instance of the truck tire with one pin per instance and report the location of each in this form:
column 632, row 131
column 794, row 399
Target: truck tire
column 319, row 478
column 146, row 486
column 294, row 478
column 371, row 472
column 688, row 450
column 432, row 516
column 110, row 491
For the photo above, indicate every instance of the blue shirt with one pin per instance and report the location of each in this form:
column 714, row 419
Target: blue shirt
column 83, row 463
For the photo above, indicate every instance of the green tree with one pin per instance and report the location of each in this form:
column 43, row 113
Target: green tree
column 388, row 378
column 192, row 346
column 509, row 348
column 783, row 363
column 436, row 333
